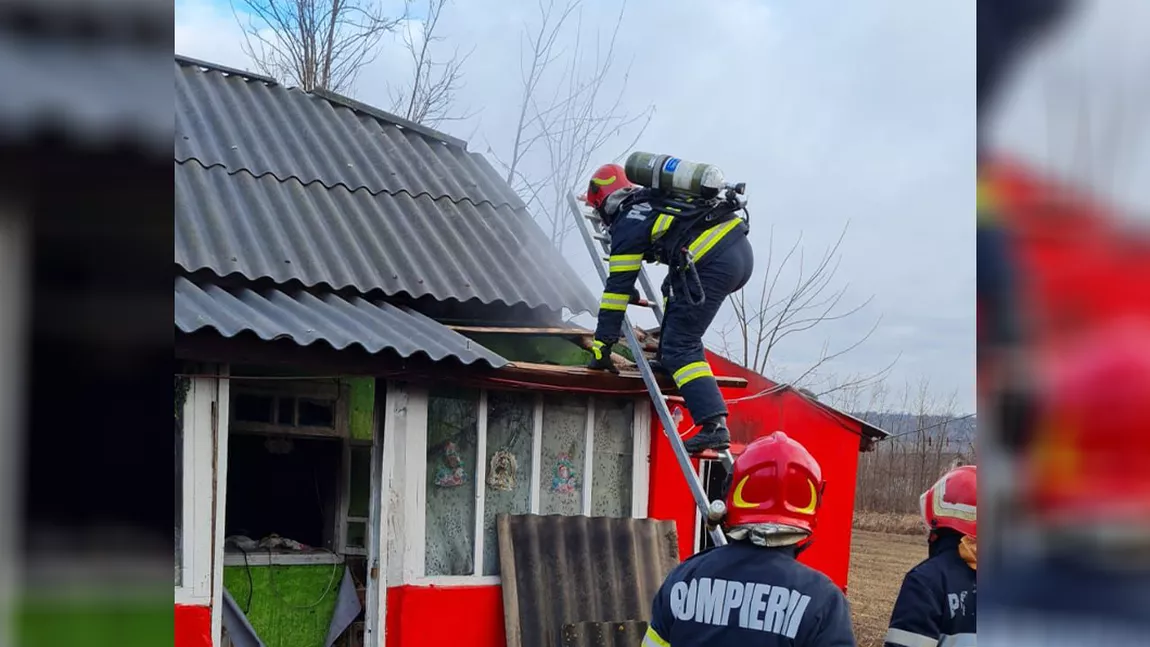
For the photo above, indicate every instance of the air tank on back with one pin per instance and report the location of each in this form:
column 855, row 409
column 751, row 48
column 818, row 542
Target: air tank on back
column 673, row 174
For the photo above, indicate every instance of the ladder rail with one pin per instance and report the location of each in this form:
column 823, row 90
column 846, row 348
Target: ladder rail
column 670, row 429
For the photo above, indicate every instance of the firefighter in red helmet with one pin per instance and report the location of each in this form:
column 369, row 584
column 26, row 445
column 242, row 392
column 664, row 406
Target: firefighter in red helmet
column 936, row 604
column 708, row 257
column 753, row 591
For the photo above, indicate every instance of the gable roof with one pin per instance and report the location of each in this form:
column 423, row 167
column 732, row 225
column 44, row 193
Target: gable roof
column 280, row 184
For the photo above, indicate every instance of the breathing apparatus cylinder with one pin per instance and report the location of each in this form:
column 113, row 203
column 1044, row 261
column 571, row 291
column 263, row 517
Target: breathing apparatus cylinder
column 673, row 174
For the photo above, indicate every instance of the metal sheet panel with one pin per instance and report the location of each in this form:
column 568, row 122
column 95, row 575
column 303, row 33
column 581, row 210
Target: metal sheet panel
column 236, row 223
column 243, row 123
column 306, row 318
column 558, row 570
column 604, row 634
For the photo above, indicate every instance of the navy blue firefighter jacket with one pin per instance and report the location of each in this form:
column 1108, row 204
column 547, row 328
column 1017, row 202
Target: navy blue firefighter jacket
column 742, row 594
column 936, row 604
column 636, row 232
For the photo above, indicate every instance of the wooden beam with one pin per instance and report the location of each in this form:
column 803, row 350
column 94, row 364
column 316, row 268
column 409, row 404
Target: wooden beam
column 557, row 332
column 626, row 381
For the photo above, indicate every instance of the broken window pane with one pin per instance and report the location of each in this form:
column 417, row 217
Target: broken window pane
column 356, row 534
column 285, row 411
column 612, row 453
column 564, row 448
column 452, row 434
column 359, row 495
column 286, row 486
column 314, row 413
column 248, row 407
column 510, row 431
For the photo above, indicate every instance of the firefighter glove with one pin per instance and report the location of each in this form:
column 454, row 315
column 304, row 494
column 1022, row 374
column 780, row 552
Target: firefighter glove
column 601, row 357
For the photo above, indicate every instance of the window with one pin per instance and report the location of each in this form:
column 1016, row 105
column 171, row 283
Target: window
column 295, row 471
column 495, row 452
column 267, row 412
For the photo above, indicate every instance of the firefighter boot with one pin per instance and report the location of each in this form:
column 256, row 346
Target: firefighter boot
column 714, row 435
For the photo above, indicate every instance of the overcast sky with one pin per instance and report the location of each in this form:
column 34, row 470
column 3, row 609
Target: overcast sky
column 859, row 112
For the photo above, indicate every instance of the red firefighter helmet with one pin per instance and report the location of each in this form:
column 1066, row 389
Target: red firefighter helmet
column 1089, row 459
column 952, row 502
column 775, row 480
column 605, row 181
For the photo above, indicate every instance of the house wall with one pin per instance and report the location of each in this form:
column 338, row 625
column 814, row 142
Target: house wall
column 430, row 612
column 414, row 606
column 834, row 446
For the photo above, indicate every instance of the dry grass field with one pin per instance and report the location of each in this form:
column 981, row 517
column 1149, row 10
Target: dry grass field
column 878, row 562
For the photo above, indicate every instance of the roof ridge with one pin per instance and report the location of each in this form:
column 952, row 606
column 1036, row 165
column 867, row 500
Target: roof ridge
column 188, row 61
column 334, row 98
column 414, row 196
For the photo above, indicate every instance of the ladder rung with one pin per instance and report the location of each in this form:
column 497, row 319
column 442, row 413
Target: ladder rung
column 603, row 237
column 593, row 217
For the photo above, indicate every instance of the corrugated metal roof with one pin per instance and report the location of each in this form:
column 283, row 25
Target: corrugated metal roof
column 558, row 570
column 350, row 200
column 267, row 128
column 263, row 228
column 306, row 318
column 604, row 634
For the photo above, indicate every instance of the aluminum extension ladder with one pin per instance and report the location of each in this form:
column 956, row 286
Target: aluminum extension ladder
column 598, row 243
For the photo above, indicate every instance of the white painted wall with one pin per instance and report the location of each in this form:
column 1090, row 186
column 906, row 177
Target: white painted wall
column 205, row 491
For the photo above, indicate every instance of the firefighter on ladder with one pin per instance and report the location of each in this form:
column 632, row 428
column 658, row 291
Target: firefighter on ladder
column 936, row 604
column 754, row 591
column 723, row 259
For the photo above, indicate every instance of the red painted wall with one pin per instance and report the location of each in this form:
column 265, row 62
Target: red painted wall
column 193, row 626
column 833, row 441
column 433, row 616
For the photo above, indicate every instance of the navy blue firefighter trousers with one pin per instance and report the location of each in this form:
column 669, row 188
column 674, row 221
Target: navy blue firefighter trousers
column 721, row 273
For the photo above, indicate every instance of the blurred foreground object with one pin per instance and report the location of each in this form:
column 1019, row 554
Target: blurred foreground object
column 85, row 126
column 1064, row 331
column 1089, row 464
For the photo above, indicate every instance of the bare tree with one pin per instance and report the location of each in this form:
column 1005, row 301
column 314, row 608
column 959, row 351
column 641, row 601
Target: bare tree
column 430, row 96
column 566, row 114
column 313, row 44
column 762, row 322
column 925, row 443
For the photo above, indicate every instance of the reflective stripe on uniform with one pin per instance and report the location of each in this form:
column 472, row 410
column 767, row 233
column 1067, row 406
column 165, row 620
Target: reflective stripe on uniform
column 614, row 301
column 597, row 349
column 909, row 639
column 625, row 263
column 692, row 371
column 709, row 238
column 653, row 639
column 987, row 202
column 959, row 640
column 662, row 224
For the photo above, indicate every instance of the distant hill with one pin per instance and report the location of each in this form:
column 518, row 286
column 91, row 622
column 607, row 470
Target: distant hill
column 958, row 429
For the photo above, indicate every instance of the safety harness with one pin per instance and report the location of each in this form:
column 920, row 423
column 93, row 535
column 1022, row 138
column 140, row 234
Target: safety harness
column 692, row 216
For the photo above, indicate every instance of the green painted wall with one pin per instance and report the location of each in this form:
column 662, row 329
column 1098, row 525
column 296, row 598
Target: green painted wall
column 286, row 607
column 361, row 406
column 540, row 349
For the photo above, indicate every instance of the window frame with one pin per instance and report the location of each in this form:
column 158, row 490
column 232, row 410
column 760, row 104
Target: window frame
column 338, row 393
column 640, row 482
column 198, row 509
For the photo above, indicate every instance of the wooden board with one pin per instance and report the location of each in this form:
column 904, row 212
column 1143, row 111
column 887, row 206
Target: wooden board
column 625, row 381
column 491, row 330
